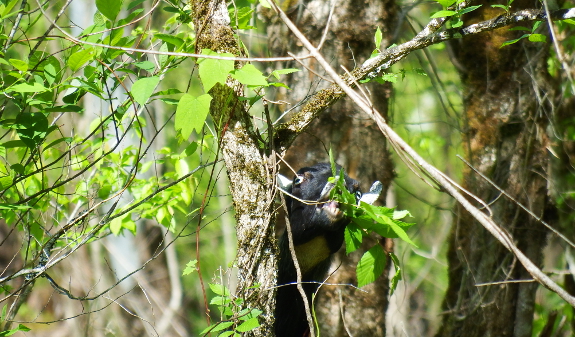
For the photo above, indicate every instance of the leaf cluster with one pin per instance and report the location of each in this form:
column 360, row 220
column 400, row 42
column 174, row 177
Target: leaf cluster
column 367, row 219
column 236, row 319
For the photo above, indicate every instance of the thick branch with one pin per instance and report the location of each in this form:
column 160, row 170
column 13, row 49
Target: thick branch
column 287, row 132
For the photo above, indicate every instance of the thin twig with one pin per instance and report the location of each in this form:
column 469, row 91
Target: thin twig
column 298, row 270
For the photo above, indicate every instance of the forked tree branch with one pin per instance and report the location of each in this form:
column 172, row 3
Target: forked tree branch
column 374, row 67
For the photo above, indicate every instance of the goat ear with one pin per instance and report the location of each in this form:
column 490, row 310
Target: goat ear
column 371, row 196
column 284, row 183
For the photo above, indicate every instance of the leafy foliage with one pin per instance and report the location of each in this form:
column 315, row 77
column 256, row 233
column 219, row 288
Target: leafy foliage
column 366, row 219
column 236, row 319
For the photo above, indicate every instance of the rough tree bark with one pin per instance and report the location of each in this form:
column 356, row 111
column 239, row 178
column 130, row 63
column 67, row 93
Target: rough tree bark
column 355, row 139
column 506, row 141
column 251, row 178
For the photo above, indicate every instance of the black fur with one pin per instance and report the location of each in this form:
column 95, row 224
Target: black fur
column 310, row 225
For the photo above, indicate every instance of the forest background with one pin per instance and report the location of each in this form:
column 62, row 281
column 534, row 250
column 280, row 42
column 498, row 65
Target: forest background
column 137, row 180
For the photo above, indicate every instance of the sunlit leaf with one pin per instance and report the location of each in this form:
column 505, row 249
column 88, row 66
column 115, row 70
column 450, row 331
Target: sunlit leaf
column 79, row 59
column 25, row 87
column 370, row 266
column 278, row 72
column 214, row 71
column 190, row 268
column 248, row 325
column 353, row 238
column 537, row 38
column 110, row 8
column 192, row 113
column 143, row 88
column 442, row 14
column 250, row 75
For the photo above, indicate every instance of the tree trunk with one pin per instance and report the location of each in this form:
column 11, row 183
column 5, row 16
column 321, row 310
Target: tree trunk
column 251, row 178
column 505, row 140
column 356, row 141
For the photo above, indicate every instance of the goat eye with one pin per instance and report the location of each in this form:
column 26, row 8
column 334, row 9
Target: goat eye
column 357, row 195
column 298, row 180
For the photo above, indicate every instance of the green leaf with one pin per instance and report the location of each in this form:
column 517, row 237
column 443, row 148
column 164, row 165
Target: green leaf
column 537, row 38
column 56, row 142
column 442, row 14
column 446, row 3
column 505, row 8
column 110, row 8
column 468, row 9
column 420, row 71
column 214, row 71
column 536, row 25
column 14, row 207
column 392, row 78
column 171, row 9
column 456, row 22
column 378, row 38
column 143, row 89
column 5, row 182
column 214, row 327
column 570, row 21
column 120, row 222
column 64, row 108
column 248, row 325
column 219, row 289
column 77, row 60
column 32, row 128
column 506, row 43
column 400, row 232
column 50, row 73
column 353, row 237
column 146, row 65
column 277, row 73
column 134, row 3
column 220, row 301
column 370, row 266
column 163, row 58
column 9, row 5
column 397, row 215
column 221, row 326
column 13, row 144
column 13, row 331
column 190, row 268
column 226, row 334
column 25, row 87
column 171, row 39
column 397, row 277
column 248, row 313
column 241, row 16
column 169, row 91
column 332, row 162
column 19, row 64
column 190, row 149
column 192, row 113
column 250, row 75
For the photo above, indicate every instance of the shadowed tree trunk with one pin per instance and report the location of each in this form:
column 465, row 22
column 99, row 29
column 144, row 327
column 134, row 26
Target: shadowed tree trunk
column 355, row 139
column 505, row 140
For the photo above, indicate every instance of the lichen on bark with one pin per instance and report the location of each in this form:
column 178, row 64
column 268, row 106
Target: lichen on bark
column 250, row 175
